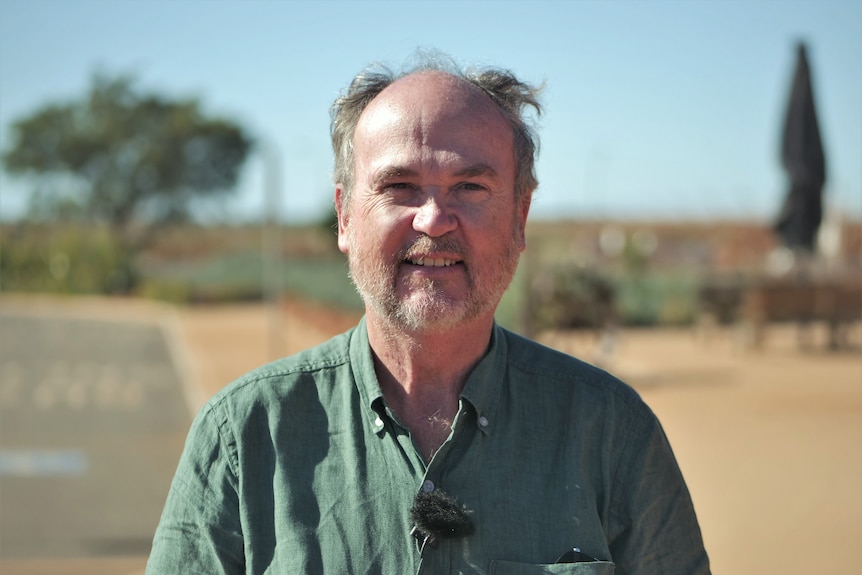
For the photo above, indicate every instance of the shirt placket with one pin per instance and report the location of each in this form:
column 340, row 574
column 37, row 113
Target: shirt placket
column 444, row 555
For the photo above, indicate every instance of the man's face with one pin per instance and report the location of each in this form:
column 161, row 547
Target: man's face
column 432, row 228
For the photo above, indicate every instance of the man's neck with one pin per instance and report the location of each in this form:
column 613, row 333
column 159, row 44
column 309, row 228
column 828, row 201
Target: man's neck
column 422, row 374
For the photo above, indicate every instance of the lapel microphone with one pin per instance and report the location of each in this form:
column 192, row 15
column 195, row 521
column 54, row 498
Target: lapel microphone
column 435, row 516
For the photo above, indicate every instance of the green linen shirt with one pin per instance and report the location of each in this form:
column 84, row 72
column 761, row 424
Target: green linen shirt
column 299, row 467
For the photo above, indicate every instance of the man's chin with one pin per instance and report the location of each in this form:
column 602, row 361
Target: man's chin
column 430, row 314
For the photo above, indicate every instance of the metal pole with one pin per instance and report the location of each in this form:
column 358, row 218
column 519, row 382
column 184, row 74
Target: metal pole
column 271, row 248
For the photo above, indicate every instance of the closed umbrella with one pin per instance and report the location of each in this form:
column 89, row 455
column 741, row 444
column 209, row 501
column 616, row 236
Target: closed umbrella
column 802, row 158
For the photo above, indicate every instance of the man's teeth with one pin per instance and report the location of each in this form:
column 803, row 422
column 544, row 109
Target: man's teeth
column 432, row 262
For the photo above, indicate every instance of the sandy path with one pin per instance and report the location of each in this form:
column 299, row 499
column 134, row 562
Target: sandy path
column 224, row 342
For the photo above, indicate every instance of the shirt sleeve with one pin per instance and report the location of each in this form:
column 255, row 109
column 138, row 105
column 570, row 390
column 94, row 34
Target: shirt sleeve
column 200, row 529
column 653, row 527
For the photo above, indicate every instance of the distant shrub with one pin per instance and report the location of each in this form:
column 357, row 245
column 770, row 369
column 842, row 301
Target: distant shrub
column 175, row 292
column 63, row 259
column 322, row 280
column 656, row 299
column 239, row 276
column 566, row 296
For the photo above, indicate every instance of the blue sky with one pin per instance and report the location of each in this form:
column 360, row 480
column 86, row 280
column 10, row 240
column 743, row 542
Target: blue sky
column 653, row 108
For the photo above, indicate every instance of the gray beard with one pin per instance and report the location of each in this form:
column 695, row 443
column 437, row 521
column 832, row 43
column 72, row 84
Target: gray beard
column 433, row 310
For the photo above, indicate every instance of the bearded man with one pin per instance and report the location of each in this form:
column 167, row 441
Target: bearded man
column 428, row 439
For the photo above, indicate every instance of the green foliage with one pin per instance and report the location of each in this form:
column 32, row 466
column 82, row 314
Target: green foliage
column 219, row 278
column 322, row 280
column 187, row 265
column 656, row 299
column 191, row 264
column 239, row 276
column 66, row 259
column 510, row 312
column 123, row 157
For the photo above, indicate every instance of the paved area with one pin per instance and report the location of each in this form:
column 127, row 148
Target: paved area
column 92, row 421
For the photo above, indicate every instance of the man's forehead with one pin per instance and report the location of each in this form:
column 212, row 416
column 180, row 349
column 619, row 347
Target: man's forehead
column 432, row 91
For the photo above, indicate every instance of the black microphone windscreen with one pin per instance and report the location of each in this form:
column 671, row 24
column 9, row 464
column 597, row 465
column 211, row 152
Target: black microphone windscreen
column 438, row 515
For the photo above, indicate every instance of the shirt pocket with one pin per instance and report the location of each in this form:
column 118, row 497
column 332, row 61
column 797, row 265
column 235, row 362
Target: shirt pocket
column 591, row 568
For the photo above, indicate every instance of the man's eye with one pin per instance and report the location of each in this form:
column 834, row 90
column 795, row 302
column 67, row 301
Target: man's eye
column 398, row 186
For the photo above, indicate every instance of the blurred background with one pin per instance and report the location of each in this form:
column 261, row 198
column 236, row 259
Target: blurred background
column 166, row 224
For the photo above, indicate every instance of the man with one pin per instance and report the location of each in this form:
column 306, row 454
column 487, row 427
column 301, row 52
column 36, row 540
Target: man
column 428, row 439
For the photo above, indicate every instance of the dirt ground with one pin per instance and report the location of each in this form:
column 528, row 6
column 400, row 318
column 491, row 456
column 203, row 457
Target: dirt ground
column 770, row 441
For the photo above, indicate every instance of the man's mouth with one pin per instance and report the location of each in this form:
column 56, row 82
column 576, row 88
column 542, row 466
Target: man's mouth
column 433, row 262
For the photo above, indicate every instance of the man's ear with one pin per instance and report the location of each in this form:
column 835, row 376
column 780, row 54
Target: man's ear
column 341, row 211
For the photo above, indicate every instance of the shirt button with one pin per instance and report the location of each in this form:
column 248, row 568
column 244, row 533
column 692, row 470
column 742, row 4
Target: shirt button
column 378, row 422
column 483, row 421
column 427, row 486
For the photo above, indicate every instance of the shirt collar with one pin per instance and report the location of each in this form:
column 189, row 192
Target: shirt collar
column 362, row 365
column 482, row 389
column 485, row 383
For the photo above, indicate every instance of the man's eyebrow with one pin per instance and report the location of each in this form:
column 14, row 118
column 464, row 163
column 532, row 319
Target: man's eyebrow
column 388, row 173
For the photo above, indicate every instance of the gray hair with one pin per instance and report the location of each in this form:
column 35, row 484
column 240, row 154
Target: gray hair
column 511, row 95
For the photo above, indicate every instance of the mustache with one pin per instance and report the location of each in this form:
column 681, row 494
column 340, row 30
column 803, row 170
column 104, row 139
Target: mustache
column 425, row 245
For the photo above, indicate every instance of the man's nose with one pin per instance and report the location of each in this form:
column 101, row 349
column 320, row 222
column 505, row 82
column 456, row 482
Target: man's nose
column 434, row 218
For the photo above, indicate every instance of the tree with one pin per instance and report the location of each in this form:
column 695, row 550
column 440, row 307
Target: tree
column 129, row 159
